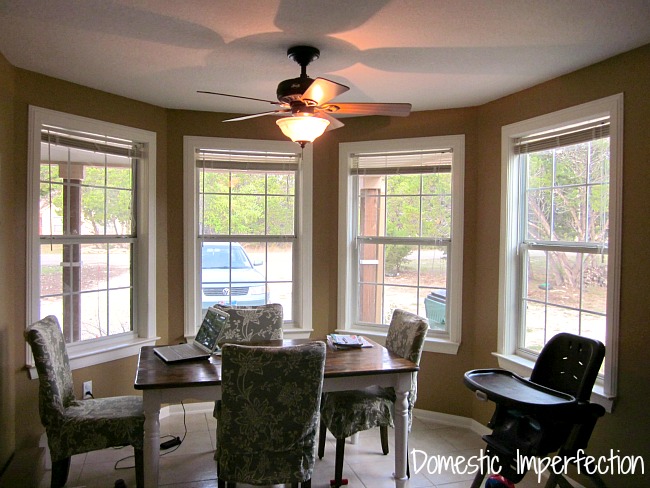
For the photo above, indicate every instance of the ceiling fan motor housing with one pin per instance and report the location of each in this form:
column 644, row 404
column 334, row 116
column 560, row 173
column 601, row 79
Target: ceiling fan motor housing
column 291, row 90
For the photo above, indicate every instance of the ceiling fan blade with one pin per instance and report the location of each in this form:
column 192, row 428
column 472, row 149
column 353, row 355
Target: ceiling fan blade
column 252, row 116
column 334, row 123
column 322, row 91
column 239, row 96
column 392, row 109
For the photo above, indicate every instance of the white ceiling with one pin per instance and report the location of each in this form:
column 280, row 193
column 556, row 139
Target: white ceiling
column 434, row 54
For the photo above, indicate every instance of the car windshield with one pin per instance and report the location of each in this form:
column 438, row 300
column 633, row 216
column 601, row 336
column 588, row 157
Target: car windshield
column 217, row 258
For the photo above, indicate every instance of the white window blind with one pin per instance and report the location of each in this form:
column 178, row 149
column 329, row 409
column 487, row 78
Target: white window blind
column 407, row 162
column 247, row 160
column 567, row 136
column 87, row 141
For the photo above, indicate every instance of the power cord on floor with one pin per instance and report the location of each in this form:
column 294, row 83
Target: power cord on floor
column 175, row 443
column 169, row 446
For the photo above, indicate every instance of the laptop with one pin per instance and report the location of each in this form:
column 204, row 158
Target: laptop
column 205, row 341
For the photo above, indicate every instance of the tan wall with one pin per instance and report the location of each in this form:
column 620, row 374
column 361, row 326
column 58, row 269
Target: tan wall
column 440, row 380
column 8, row 255
column 628, row 428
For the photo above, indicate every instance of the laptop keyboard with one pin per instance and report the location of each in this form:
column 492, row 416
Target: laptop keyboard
column 184, row 352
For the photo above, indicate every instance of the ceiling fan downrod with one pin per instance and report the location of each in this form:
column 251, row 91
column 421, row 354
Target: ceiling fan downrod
column 303, row 55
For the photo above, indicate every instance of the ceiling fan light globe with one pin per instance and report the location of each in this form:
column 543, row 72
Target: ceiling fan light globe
column 302, row 129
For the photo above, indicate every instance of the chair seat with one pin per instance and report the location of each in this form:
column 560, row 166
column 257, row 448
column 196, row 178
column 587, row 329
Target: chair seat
column 95, row 424
column 373, row 407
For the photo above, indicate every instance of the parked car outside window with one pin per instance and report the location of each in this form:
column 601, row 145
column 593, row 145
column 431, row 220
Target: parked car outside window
column 230, row 278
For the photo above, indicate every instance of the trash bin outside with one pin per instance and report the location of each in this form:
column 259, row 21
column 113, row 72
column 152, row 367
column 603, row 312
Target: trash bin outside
column 435, row 304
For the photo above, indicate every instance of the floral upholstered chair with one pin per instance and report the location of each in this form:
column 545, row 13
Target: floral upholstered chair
column 345, row 413
column 268, row 414
column 252, row 324
column 72, row 426
column 256, row 323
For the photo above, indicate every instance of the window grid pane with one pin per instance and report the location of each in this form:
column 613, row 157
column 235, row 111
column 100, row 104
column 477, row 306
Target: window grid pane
column 412, row 277
column 402, row 212
column 564, row 291
column 247, row 233
column 567, row 205
column 89, row 287
column 567, row 193
column 87, row 231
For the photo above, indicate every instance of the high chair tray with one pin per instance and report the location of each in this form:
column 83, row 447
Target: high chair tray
column 510, row 389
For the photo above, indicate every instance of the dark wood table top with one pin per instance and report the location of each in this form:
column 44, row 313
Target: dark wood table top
column 154, row 373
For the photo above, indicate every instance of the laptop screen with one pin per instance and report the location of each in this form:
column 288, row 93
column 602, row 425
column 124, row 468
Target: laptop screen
column 211, row 328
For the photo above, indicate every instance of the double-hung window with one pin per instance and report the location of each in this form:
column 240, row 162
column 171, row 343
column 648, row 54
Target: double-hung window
column 400, row 236
column 561, row 238
column 91, row 238
column 247, row 236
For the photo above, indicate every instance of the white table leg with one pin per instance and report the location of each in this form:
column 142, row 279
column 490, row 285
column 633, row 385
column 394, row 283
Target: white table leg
column 151, row 403
column 401, row 428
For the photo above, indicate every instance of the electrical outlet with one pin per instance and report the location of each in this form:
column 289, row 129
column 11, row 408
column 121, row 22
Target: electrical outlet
column 87, row 390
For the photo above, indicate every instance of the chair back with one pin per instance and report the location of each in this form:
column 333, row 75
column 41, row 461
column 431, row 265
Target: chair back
column 569, row 363
column 253, row 324
column 268, row 414
column 406, row 335
column 56, row 389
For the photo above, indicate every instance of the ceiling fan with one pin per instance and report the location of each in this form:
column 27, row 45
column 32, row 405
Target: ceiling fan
column 305, row 103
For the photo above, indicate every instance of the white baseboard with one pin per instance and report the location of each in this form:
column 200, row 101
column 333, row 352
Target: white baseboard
column 452, row 420
column 199, row 407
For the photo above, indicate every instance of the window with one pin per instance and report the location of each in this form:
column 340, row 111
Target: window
column 400, row 237
column 248, row 230
column 561, row 240
column 89, row 189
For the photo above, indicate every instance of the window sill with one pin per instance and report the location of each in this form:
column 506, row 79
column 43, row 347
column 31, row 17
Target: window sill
column 431, row 344
column 296, row 333
column 524, row 367
column 101, row 352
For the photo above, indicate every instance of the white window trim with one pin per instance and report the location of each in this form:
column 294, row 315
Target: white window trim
column 346, row 240
column 508, row 269
column 301, row 324
column 97, row 351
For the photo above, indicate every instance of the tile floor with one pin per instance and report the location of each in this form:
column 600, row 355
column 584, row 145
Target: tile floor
column 191, row 465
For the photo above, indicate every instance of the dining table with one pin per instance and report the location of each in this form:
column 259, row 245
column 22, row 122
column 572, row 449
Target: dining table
column 345, row 369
